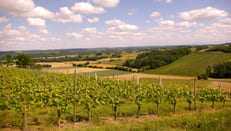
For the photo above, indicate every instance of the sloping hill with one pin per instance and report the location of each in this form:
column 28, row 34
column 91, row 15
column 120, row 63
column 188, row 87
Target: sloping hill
column 192, row 64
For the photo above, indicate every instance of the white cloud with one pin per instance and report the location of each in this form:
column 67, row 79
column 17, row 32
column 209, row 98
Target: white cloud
column 87, row 8
column 89, row 30
column 40, row 12
column 15, row 7
column 186, row 24
column 226, row 21
column 24, row 8
column 21, row 39
column 36, row 22
column 107, row 3
column 9, row 35
column 43, row 31
column 39, row 23
column 127, row 27
column 67, row 16
column 167, row 23
column 114, row 22
column 93, row 20
column 3, row 19
column 147, row 21
column 203, row 14
column 155, row 14
column 120, row 26
column 167, row 1
column 115, row 37
column 132, row 12
column 74, row 35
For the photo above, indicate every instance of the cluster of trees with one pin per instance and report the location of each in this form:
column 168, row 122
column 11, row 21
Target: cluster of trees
column 222, row 70
column 120, row 68
column 223, row 48
column 157, row 58
column 21, row 60
column 80, row 65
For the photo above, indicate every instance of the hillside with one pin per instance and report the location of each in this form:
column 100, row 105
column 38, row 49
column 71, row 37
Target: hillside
column 192, row 64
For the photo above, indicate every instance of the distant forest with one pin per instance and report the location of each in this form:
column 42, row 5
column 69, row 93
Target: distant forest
column 157, row 58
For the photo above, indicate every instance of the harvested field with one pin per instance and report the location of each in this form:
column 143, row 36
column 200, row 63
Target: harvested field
column 62, row 64
column 78, row 70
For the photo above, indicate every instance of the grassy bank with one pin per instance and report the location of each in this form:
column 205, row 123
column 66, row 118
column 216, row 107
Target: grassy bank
column 192, row 64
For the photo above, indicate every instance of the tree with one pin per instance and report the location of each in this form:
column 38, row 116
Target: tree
column 9, row 60
column 24, row 60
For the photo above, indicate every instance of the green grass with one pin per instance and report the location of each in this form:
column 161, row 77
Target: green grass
column 107, row 73
column 192, row 64
column 213, row 121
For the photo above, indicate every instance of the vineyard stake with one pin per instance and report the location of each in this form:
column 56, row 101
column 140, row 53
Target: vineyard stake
column 195, row 104
column 95, row 76
column 160, row 81
column 220, row 85
column 54, row 78
column 137, row 80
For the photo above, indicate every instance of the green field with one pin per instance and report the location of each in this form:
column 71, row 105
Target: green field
column 193, row 64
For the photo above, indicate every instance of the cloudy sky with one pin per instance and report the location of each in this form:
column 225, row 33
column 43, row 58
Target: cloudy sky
column 59, row 24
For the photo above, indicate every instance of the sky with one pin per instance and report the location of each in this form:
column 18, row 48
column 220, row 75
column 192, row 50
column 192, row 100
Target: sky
column 64, row 24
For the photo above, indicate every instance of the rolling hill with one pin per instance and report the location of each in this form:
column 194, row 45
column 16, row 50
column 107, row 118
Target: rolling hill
column 192, row 64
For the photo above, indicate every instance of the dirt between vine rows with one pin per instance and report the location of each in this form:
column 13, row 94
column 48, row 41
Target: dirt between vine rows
column 120, row 120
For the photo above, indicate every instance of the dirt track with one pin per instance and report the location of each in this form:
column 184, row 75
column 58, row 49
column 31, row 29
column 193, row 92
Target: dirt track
column 131, row 76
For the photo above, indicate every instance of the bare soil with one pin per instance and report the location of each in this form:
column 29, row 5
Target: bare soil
column 131, row 76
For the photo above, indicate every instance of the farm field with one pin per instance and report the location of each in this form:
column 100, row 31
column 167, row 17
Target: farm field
column 70, row 70
column 192, row 64
column 62, row 64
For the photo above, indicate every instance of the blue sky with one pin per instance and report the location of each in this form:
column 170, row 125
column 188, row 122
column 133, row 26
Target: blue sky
column 62, row 24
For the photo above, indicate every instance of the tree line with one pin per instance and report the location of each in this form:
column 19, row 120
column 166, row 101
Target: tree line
column 157, row 58
column 221, row 70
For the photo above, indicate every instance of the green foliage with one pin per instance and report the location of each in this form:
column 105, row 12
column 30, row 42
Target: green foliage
column 24, row 60
column 202, row 77
column 157, row 58
column 223, row 48
column 9, row 60
column 42, row 90
column 221, row 70
column 198, row 48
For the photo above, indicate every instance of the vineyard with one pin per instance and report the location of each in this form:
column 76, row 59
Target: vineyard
column 74, row 98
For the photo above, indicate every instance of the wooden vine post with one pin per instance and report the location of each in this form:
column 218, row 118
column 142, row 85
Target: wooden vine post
column 195, row 94
column 137, row 80
column 160, row 81
column 95, row 76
